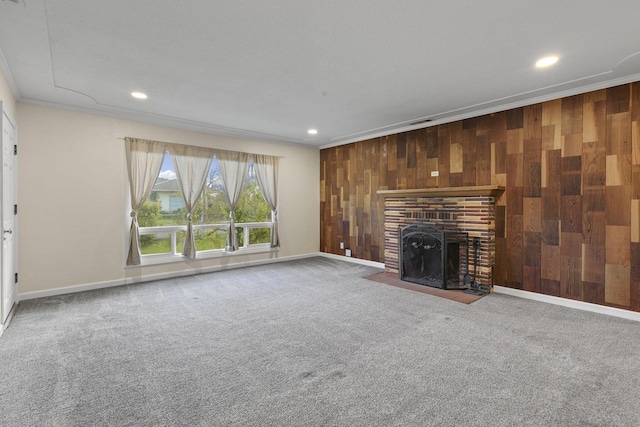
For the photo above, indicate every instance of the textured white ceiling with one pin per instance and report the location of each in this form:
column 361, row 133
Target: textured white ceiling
column 350, row 68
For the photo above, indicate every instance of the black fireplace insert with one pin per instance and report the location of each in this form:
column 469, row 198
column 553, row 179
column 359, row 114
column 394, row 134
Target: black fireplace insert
column 430, row 256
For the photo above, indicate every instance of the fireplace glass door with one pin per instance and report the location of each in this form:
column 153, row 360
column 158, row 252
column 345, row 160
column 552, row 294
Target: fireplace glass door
column 433, row 257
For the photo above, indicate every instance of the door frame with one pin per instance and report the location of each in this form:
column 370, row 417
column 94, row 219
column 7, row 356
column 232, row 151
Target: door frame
column 5, row 318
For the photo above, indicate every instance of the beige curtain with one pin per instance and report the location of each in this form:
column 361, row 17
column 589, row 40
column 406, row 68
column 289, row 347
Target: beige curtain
column 144, row 160
column 192, row 167
column 266, row 168
column 233, row 169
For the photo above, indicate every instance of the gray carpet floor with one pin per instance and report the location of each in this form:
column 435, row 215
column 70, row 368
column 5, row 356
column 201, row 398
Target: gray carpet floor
column 312, row 343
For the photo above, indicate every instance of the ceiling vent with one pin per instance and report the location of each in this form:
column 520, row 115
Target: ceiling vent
column 420, row 122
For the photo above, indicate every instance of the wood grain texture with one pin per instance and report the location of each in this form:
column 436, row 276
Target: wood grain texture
column 635, row 181
column 593, row 293
column 594, row 115
column 571, row 172
column 571, row 278
column 635, row 276
column 618, row 99
column 572, row 115
column 532, row 214
column 616, row 290
column 618, row 205
column 618, row 245
column 532, row 169
column 550, row 262
column 550, row 287
column 592, row 266
column 594, row 228
column 618, row 170
column 571, row 211
column 515, row 251
column 635, row 142
column 551, row 232
column 619, row 133
column 635, row 220
column 552, row 125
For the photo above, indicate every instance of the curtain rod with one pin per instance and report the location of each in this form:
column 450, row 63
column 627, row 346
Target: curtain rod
column 219, row 149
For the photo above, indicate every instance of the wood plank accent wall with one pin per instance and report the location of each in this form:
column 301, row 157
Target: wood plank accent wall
column 571, row 169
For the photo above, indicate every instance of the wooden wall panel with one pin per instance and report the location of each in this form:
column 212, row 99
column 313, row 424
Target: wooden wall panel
column 571, row 209
column 552, row 125
column 635, row 276
column 593, row 183
column 571, row 116
column 498, row 138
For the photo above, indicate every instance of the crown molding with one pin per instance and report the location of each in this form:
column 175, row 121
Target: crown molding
column 457, row 116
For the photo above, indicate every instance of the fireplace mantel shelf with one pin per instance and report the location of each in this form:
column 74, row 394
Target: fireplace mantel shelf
column 482, row 190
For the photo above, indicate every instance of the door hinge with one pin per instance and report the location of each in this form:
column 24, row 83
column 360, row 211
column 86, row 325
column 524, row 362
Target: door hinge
column 16, row 277
column 15, row 209
column 15, row 150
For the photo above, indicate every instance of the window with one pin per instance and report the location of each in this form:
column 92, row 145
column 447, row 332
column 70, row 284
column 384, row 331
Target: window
column 180, row 204
column 163, row 218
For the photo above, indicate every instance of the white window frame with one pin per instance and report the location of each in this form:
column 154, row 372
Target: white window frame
column 176, row 256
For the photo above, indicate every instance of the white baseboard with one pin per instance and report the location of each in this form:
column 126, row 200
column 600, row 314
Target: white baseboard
column 150, row 277
column 565, row 302
column 595, row 308
column 353, row 260
column 5, row 325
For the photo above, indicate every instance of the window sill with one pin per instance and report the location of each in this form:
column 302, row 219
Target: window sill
column 218, row 253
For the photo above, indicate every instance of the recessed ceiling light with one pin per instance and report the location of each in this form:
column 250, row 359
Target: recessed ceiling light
column 139, row 95
column 312, row 131
column 547, row 61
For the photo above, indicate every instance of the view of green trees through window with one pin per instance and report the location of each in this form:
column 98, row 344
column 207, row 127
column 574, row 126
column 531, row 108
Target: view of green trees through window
column 162, row 208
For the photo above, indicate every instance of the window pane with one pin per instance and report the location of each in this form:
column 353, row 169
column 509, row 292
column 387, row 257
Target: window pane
column 240, row 234
column 180, row 236
column 259, row 235
column 165, row 205
column 155, row 244
column 213, row 207
column 207, row 240
column 251, row 206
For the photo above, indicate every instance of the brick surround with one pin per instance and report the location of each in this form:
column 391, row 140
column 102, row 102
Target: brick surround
column 475, row 215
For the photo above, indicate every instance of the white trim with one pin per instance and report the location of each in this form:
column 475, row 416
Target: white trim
column 156, row 259
column 5, row 325
column 565, row 302
column 477, row 111
column 549, row 299
column 151, row 277
column 353, row 260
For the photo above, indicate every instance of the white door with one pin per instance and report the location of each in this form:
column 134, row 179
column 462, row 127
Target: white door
column 8, row 263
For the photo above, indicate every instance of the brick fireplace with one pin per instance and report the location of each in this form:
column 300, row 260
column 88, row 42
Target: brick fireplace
column 468, row 210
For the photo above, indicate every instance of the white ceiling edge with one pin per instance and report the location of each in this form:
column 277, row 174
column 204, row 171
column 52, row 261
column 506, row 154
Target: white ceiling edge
column 490, row 110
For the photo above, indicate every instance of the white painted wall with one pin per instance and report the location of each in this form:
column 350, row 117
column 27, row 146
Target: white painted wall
column 73, row 197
